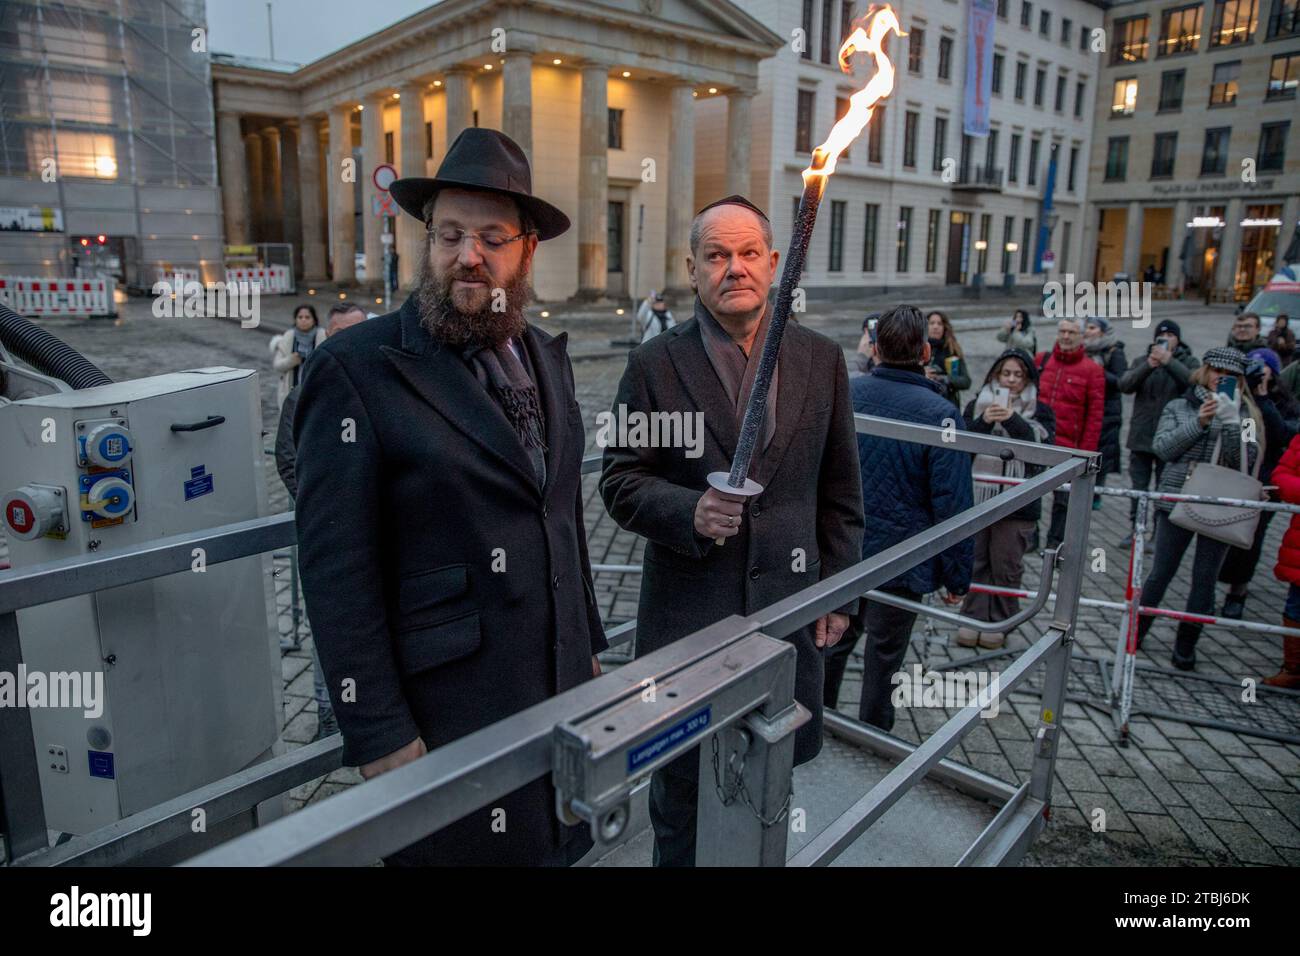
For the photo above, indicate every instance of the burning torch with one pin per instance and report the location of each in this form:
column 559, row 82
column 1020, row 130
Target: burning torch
column 867, row 37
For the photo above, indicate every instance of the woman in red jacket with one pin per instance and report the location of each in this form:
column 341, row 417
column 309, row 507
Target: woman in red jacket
column 1286, row 475
column 1075, row 388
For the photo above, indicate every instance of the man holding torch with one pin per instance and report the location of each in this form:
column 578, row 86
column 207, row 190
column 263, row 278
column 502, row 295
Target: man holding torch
column 709, row 553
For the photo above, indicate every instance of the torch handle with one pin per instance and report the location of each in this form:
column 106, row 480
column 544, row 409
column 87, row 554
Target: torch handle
column 756, row 408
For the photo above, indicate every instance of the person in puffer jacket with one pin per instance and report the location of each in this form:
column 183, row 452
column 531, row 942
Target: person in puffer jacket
column 1189, row 429
column 1075, row 387
column 1286, row 475
column 1015, row 413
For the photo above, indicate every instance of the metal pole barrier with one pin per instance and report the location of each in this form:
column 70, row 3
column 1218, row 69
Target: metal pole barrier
column 22, row 809
column 1126, row 644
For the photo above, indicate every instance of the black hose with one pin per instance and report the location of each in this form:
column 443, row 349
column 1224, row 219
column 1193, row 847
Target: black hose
column 46, row 353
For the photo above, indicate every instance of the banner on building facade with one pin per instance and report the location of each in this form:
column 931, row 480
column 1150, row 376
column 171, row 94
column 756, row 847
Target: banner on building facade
column 979, row 67
column 31, row 219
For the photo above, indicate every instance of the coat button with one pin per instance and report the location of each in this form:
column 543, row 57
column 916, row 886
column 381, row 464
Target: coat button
column 753, row 574
column 555, row 582
column 755, row 511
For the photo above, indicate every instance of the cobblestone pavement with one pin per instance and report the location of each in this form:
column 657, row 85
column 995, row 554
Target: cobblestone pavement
column 1178, row 794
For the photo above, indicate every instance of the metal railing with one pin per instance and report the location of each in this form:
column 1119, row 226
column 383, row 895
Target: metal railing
column 751, row 711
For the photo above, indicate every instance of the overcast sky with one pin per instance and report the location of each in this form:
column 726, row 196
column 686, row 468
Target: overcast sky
column 305, row 30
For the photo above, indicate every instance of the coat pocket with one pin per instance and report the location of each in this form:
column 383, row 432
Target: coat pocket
column 419, row 650
column 421, row 596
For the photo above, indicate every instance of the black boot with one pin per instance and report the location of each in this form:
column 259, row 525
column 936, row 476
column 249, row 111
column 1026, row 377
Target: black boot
column 1184, row 656
column 1144, row 625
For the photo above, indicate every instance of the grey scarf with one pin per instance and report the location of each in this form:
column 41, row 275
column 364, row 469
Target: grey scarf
column 504, row 377
column 735, row 369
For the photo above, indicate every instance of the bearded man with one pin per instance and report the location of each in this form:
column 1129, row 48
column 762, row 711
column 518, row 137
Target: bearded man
column 441, row 542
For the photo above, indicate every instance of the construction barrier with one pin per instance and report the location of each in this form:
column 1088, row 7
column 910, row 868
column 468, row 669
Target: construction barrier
column 275, row 280
column 33, row 296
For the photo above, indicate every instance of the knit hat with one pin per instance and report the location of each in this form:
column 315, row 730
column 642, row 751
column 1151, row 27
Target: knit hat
column 1168, row 325
column 1225, row 359
column 1103, row 324
column 1269, row 358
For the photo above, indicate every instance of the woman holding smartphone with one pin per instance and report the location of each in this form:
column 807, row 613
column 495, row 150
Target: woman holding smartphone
column 1007, row 405
column 1210, row 411
column 1018, row 332
column 947, row 363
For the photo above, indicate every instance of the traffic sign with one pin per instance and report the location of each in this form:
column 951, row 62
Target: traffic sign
column 383, row 176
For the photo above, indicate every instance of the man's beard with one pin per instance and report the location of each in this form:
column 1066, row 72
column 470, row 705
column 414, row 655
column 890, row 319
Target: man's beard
column 449, row 324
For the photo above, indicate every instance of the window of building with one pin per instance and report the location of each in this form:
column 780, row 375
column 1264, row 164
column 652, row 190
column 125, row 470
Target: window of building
column 803, row 121
column 876, row 136
column 1065, row 245
column 806, row 23
column 1026, row 243
column 1066, row 26
column 1283, row 76
column 1180, row 30
column 1008, row 237
column 986, row 226
column 995, row 78
column 945, row 58
column 911, row 121
column 826, row 30
column 1084, row 34
column 1130, row 40
column 1013, row 159
column 1123, row 101
column 1214, row 157
column 915, row 50
column 841, row 109
column 846, row 20
column 1223, row 86
column 904, row 238
column 1074, row 166
column 1002, row 9
column 932, row 241
column 1031, row 172
column 1272, row 146
column 1234, row 21
column 1116, row 158
column 991, row 153
column 940, row 142
column 428, row 140
column 1040, row 81
column 615, row 128
column 1044, row 23
column 870, row 230
column 836, row 261
column 1162, row 155
column 1078, row 98
column 1021, row 69
column 1171, row 90
column 1284, row 20
column 1026, row 13
column 1059, row 105
column 388, row 147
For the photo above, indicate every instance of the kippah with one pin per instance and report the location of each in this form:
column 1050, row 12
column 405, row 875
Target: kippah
column 736, row 200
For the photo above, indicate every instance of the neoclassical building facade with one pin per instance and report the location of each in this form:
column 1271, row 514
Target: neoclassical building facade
column 602, row 97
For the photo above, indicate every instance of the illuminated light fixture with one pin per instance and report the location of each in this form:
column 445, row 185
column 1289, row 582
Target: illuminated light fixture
column 311, row 291
column 397, row 96
column 343, row 295
column 101, row 238
column 106, row 165
column 618, row 311
column 487, row 66
column 695, row 92
column 1206, row 222
column 556, row 62
column 379, row 301
column 626, row 74
column 1250, row 223
column 1012, row 246
column 437, row 82
column 360, row 107
column 85, row 241
column 981, row 244
column 713, row 89
column 546, row 315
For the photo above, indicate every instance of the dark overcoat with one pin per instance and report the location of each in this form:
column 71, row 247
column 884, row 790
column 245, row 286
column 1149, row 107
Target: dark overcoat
column 811, row 498
column 439, row 576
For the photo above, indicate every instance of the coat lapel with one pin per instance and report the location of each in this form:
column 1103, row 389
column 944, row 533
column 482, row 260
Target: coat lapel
column 548, row 360
column 701, row 383
column 442, row 379
column 794, row 372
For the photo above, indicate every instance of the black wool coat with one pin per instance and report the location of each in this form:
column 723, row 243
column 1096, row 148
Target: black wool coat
column 811, row 498
column 439, row 577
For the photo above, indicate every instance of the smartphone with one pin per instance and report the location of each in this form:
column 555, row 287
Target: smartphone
column 1001, row 396
column 1163, row 343
column 1227, row 387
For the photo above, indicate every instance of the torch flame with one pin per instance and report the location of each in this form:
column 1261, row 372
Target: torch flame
column 867, row 37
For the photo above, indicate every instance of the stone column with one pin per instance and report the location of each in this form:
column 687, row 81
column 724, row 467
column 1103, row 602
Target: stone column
column 1133, row 242
column 410, row 231
column 460, row 109
column 256, row 206
column 738, row 141
column 680, row 192
column 1225, row 266
column 1290, row 213
column 234, row 178
column 290, row 190
column 372, row 154
column 1177, row 235
column 309, row 179
column 517, row 100
column 343, row 230
column 593, row 182
column 273, row 198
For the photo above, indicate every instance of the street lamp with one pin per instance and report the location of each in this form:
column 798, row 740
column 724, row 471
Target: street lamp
column 1008, row 274
column 977, row 280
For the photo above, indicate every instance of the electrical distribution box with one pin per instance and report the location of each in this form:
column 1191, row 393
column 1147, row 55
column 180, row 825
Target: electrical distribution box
column 189, row 664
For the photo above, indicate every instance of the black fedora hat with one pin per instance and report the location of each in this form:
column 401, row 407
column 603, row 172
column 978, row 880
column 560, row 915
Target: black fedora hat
column 487, row 160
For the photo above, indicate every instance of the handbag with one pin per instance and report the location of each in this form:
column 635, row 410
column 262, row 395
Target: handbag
column 1230, row 524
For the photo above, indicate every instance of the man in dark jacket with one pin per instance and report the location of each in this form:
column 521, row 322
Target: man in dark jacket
column 804, row 526
column 1244, row 335
column 907, row 487
column 440, row 531
column 1153, row 379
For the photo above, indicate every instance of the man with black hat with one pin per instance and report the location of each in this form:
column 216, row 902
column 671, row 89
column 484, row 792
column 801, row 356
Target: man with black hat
column 805, row 525
column 441, row 540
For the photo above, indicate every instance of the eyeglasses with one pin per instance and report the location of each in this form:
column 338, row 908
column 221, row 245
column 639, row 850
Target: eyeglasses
column 448, row 237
